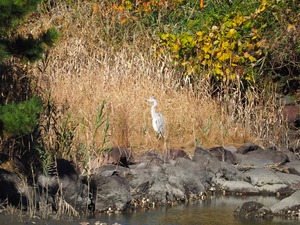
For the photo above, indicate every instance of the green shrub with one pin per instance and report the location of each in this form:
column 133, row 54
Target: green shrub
column 225, row 50
column 20, row 118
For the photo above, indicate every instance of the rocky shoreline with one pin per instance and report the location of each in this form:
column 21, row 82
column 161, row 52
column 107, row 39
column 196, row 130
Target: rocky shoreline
column 118, row 183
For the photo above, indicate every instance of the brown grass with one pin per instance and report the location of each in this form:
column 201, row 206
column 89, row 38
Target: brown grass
column 85, row 69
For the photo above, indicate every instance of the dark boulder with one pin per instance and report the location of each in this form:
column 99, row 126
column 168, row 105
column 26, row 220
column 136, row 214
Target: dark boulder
column 223, row 154
column 202, row 156
column 63, row 183
column 253, row 210
column 10, row 184
column 178, row 153
column 15, row 183
column 249, row 147
column 117, row 156
column 111, row 192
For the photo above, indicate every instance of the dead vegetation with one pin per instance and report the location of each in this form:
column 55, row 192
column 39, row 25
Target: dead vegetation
column 87, row 68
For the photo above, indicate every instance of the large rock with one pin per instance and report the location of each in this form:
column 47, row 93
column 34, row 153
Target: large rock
column 274, row 189
column 178, row 153
column 261, row 176
column 166, row 183
column 288, row 206
column 63, row 183
column 257, row 157
column 189, row 176
column 253, row 210
column 217, row 170
column 293, row 167
column 10, row 189
column 248, row 147
column 15, row 183
column 117, row 156
column 223, row 154
column 292, row 180
column 239, row 187
column 111, row 192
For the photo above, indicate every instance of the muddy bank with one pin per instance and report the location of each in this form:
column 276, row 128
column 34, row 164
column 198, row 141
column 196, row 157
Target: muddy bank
column 119, row 183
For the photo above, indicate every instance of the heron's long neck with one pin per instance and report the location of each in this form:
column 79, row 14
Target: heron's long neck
column 153, row 108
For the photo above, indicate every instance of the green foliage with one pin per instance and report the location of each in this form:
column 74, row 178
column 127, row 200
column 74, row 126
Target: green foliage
column 12, row 12
column 225, row 40
column 283, row 36
column 29, row 48
column 3, row 52
column 50, row 37
column 32, row 49
column 224, row 50
column 20, row 118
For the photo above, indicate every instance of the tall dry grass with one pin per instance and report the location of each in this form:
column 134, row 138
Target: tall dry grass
column 90, row 64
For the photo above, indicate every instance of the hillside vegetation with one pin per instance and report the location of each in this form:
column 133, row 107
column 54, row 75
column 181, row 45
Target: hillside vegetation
column 217, row 68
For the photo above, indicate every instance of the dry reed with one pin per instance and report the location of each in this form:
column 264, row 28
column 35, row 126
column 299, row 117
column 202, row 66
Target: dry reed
column 87, row 67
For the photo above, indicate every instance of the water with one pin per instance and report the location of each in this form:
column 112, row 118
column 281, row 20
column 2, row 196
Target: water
column 216, row 211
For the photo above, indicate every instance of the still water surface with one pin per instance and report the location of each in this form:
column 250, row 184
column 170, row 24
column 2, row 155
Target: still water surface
column 215, row 211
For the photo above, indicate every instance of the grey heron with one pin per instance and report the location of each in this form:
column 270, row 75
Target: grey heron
column 158, row 121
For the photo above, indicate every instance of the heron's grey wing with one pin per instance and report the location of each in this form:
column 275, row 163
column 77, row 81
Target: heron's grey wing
column 160, row 123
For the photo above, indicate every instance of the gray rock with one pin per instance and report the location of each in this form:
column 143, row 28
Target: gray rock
column 232, row 149
column 291, row 180
column 189, row 175
column 261, row 176
column 203, row 156
column 223, row 155
column 293, row 167
column 165, row 183
column 218, row 171
column 248, row 148
column 239, row 187
column 261, row 158
column 109, row 170
column 117, row 156
column 290, row 154
column 274, row 188
column 111, row 193
column 286, row 204
column 148, row 180
column 269, row 182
